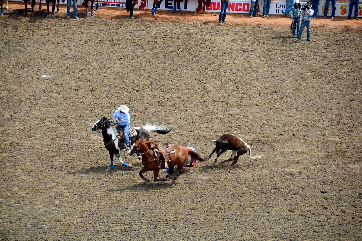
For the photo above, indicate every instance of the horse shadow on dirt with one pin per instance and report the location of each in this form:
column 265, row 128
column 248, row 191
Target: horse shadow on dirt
column 102, row 170
column 147, row 186
column 225, row 164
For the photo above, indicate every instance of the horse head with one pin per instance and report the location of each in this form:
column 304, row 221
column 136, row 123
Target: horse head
column 136, row 147
column 101, row 124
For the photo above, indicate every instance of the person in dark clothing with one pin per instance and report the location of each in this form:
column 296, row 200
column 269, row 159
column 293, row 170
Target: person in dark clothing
column 130, row 6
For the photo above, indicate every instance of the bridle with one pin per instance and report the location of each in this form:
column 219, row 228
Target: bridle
column 138, row 149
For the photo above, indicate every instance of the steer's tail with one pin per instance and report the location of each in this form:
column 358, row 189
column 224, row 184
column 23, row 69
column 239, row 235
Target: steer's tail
column 249, row 149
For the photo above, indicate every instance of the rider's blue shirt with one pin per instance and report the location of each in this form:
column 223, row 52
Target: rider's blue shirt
column 125, row 118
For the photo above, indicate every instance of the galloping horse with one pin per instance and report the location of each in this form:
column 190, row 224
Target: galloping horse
column 150, row 161
column 111, row 141
column 155, row 157
column 176, row 155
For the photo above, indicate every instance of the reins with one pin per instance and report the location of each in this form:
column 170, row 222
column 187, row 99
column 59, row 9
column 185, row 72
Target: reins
column 110, row 142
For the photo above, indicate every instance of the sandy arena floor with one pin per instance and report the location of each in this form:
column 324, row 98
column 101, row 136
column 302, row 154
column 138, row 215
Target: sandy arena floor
column 298, row 105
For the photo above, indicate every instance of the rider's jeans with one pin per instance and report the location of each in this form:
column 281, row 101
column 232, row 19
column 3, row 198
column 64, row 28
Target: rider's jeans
column 126, row 133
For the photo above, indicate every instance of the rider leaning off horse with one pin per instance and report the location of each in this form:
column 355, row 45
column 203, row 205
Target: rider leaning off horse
column 122, row 119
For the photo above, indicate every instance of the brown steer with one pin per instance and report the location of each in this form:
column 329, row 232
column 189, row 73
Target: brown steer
column 233, row 143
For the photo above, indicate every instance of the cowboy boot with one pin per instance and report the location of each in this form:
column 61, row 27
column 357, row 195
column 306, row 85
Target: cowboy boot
column 174, row 9
column 179, row 10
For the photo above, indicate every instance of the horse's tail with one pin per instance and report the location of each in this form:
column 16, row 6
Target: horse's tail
column 195, row 155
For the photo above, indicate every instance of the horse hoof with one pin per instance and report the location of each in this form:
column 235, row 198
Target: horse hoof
column 147, row 180
column 130, row 166
column 109, row 169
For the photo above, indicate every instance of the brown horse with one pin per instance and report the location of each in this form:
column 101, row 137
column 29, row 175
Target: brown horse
column 150, row 161
column 155, row 157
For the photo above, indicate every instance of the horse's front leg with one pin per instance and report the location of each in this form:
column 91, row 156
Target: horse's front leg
column 111, row 165
column 123, row 163
column 155, row 174
column 143, row 170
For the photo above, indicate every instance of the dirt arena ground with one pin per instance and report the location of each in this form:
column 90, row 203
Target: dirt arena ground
column 298, row 105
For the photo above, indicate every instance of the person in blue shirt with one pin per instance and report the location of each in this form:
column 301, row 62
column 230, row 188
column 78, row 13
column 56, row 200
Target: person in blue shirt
column 307, row 13
column 122, row 118
column 295, row 19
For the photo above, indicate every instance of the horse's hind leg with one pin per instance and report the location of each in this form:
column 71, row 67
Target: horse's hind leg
column 143, row 170
column 180, row 171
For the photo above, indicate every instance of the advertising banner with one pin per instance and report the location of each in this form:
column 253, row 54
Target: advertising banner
column 235, row 6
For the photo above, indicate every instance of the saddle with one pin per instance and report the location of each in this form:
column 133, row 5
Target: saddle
column 132, row 132
column 165, row 150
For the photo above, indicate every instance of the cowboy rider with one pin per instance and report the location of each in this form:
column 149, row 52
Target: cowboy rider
column 122, row 118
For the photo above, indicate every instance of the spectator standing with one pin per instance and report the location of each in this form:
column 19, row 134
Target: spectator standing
column 288, row 7
column 296, row 13
column 353, row 4
column 315, row 6
column 130, row 7
column 253, row 8
column 224, row 8
column 266, row 8
column 307, row 13
column 326, row 7
column 75, row 9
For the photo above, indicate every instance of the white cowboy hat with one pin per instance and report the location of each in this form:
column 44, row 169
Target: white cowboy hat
column 123, row 108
